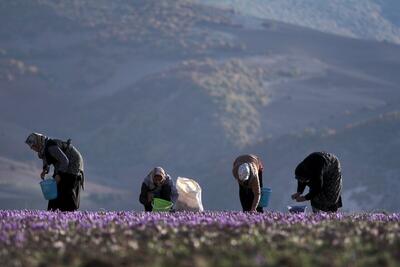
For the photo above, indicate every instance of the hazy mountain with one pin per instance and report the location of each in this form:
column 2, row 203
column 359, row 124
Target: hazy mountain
column 369, row 19
column 137, row 84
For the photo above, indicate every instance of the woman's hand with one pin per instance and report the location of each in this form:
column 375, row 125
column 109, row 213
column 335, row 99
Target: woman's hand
column 301, row 199
column 43, row 174
column 57, row 178
column 251, row 211
column 296, row 195
column 150, row 197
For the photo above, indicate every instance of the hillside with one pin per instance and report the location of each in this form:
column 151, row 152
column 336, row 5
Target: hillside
column 373, row 19
column 365, row 149
column 137, row 84
column 19, row 189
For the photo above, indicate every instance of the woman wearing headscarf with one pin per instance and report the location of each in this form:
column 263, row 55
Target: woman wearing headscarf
column 321, row 172
column 157, row 184
column 248, row 171
column 68, row 169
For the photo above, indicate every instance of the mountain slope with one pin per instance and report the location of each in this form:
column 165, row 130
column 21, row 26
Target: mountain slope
column 190, row 94
column 371, row 19
column 366, row 151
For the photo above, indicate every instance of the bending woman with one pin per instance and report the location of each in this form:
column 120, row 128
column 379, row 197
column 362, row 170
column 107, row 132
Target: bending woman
column 248, row 171
column 321, row 172
column 68, row 169
column 157, row 184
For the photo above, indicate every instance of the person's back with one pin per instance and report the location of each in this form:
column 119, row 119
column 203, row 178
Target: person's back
column 321, row 172
column 75, row 159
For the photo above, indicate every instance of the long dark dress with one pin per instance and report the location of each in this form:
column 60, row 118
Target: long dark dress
column 68, row 164
column 324, row 178
column 246, row 194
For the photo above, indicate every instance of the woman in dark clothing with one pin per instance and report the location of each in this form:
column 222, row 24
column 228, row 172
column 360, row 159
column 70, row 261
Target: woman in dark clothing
column 68, row 169
column 157, row 184
column 248, row 171
column 321, row 172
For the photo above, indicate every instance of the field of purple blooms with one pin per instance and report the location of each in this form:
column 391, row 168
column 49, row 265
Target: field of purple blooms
column 38, row 238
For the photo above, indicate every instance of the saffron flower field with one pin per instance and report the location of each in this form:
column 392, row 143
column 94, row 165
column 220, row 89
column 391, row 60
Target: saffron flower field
column 39, row 238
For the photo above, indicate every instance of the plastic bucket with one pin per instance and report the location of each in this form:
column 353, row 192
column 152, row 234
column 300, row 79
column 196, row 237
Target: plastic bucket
column 160, row 204
column 49, row 189
column 265, row 195
column 297, row 209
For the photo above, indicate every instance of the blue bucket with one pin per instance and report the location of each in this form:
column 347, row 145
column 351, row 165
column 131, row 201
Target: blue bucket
column 49, row 189
column 265, row 195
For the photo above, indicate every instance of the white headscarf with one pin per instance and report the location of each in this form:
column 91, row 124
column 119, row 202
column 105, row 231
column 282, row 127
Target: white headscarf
column 244, row 172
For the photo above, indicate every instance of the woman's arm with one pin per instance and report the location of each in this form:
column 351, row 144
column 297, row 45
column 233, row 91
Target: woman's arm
column 143, row 194
column 300, row 187
column 255, row 186
column 312, row 168
column 45, row 168
column 315, row 183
